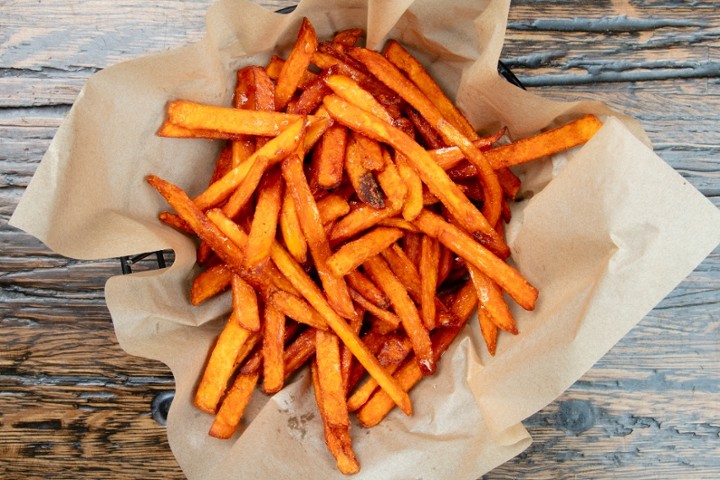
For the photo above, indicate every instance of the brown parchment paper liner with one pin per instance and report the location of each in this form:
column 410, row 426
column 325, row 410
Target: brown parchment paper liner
column 609, row 229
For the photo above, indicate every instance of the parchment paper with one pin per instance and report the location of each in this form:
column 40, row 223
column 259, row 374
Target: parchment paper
column 607, row 231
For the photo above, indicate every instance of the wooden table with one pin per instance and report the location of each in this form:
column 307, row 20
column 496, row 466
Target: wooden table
column 73, row 404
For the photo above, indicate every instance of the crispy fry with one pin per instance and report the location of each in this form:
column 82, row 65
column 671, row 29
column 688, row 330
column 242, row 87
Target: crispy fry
column 488, row 329
column 358, row 220
column 254, row 89
column 298, row 309
column 353, row 254
column 391, row 182
column 272, row 349
column 492, row 301
column 220, row 366
column 327, row 356
column 233, row 406
column 390, row 320
column 431, row 174
column 475, row 254
column 310, row 98
column 381, row 274
column 245, row 305
column 290, row 229
column 531, row 148
column 360, row 176
column 265, row 220
column 348, row 37
column 299, row 352
column 296, row 64
column 362, row 285
column 349, row 90
column 275, row 65
column 331, row 207
column 231, row 253
column 337, row 437
column 329, row 158
column 405, row 270
column 200, row 117
column 429, row 135
column 175, row 221
column 210, row 282
column 309, row 218
column 429, row 263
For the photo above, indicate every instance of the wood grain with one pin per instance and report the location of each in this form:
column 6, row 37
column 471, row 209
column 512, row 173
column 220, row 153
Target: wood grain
column 73, row 404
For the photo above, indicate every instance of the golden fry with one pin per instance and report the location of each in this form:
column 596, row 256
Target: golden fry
column 354, row 253
column 265, row 220
column 272, row 349
column 296, row 65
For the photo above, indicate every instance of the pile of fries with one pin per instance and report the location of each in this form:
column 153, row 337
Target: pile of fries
column 358, row 218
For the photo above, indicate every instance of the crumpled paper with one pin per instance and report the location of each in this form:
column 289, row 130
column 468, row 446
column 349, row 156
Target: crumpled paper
column 606, row 231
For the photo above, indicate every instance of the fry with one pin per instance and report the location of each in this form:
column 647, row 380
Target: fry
column 260, row 165
column 272, row 350
column 327, row 356
column 298, row 309
column 475, row 254
column 531, row 148
column 331, row 207
column 349, row 90
column 390, row 356
column 210, row 282
column 362, row 285
column 299, row 352
column 359, row 220
column 233, row 406
column 390, row 320
column 290, row 229
column 309, row 218
column 245, row 305
column 329, row 158
column 220, row 366
column 175, row 221
column 405, row 270
column 265, row 220
column 381, row 274
column 429, row 262
column 337, row 437
column 492, row 301
column 488, row 330
column 348, row 37
column 353, row 254
column 196, row 116
column 391, row 182
column 361, row 177
column 296, row 64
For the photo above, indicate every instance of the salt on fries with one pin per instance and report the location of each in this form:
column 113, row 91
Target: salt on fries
column 357, row 218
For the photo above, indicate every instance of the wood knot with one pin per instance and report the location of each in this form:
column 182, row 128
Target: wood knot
column 575, row 416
